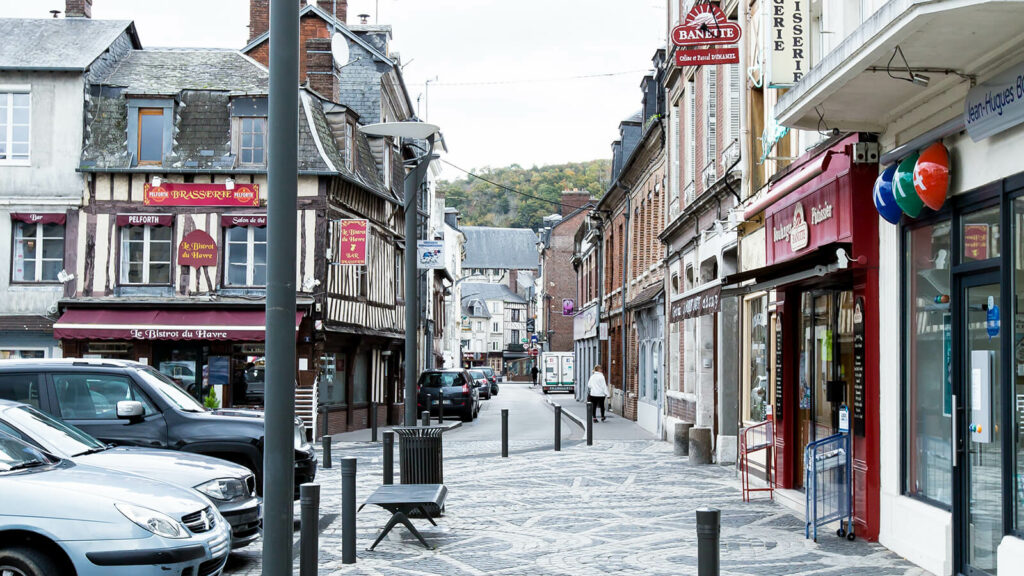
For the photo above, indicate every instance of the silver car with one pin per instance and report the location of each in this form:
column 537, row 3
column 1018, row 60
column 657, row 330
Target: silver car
column 61, row 518
column 231, row 487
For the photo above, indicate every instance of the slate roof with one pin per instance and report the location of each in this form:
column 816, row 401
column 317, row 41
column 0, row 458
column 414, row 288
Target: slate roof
column 57, row 43
column 487, row 291
column 501, row 248
column 484, row 313
column 168, row 71
column 339, row 26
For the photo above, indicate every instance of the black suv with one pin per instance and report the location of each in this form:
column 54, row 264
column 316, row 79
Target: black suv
column 132, row 404
column 454, row 390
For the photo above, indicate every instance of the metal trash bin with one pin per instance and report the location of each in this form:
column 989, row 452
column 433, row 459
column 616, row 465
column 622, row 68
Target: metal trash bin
column 421, row 453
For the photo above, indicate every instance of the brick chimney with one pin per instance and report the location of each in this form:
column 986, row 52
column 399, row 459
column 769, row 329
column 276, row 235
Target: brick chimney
column 320, row 68
column 573, row 199
column 259, row 17
column 338, row 6
column 78, row 8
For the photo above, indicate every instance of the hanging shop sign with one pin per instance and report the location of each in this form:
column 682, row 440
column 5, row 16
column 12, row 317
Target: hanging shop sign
column 37, row 218
column 584, row 325
column 885, row 199
column 190, row 194
column 859, row 366
column 243, row 220
column 789, row 54
column 430, row 254
column 706, row 24
column 700, row 304
column 197, row 249
column 931, row 175
column 919, row 180
column 778, row 367
column 568, row 307
column 996, row 105
column 352, row 242
column 903, row 187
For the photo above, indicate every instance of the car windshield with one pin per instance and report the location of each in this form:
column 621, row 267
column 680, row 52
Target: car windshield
column 487, row 371
column 440, row 379
column 16, row 455
column 477, row 374
column 53, row 435
column 170, row 391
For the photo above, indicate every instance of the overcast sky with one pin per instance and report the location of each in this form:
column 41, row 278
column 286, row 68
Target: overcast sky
column 508, row 87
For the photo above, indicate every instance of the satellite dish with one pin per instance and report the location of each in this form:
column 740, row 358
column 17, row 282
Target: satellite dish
column 339, row 50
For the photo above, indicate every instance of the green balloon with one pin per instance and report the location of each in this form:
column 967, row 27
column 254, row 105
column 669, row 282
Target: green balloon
column 903, row 187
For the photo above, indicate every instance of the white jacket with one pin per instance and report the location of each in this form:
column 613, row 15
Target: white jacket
column 597, row 385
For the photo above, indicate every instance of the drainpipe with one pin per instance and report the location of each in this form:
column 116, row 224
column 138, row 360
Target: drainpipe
column 622, row 329
column 600, row 290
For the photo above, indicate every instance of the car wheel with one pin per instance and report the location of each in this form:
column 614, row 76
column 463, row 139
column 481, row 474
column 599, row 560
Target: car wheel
column 468, row 416
column 27, row 562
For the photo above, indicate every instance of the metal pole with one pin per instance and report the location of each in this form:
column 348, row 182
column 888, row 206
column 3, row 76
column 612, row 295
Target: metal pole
column 326, row 442
column 413, row 182
column 708, row 532
column 590, row 423
column 504, row 432
column 373, row 421
column 558, row 428
column 425, row 418
column 309, row 546
column 282, row 179
column 348, row 510
column 389, row 457
column 440, row 407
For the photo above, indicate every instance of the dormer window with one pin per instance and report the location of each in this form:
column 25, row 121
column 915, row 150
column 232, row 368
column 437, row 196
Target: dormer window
column 150, row 123
column 252, row 143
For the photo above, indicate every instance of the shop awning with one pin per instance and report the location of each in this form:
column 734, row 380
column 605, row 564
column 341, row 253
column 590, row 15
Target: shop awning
column 164, row 324
column 816, row 263
column 646, row 297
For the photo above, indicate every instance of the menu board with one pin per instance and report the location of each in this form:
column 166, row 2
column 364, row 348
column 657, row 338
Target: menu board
column 777, row 410
column 858, row 367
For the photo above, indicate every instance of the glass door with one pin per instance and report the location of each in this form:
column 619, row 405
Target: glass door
column 977, row 435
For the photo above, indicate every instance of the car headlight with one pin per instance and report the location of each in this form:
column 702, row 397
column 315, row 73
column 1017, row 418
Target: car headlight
column 152, row 521
column 223, row 488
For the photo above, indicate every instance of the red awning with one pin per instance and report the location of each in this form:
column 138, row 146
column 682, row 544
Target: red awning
column 37, row 218
column 166, row 324
column 256, row 220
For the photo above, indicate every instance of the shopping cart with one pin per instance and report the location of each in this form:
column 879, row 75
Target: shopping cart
column 753, row 440
column 829, row 496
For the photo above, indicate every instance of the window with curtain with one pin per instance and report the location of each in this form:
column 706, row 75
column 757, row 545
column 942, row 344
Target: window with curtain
column 246, row 256
column 38, row 252
column 146, row 254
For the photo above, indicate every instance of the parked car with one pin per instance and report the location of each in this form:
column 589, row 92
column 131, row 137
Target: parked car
column 482, row 383
column 489, row 372
column 454, row 390
column 61, row 518
column 131, row 404
column 231, row 487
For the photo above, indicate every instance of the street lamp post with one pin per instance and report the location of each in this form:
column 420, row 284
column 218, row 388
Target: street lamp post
column 413, row 182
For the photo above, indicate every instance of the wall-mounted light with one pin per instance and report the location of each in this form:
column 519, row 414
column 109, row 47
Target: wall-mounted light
column 157, row 181
column 229, row 184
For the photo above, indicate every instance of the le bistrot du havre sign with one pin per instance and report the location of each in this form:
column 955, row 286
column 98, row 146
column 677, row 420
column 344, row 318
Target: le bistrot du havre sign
column 706, row 25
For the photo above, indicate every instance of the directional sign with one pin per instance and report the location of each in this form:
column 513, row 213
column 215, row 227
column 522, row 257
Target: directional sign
column 535, row 338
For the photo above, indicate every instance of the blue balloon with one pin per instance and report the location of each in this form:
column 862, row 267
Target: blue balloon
column 885, row 199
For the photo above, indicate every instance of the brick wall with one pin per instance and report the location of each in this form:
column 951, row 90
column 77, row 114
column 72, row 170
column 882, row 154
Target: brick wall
column 560, row 279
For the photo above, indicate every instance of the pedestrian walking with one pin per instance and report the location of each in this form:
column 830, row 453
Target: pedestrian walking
column 534, row 372
column 597, row 391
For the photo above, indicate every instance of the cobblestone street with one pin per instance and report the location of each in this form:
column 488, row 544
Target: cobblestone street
column 618, row 507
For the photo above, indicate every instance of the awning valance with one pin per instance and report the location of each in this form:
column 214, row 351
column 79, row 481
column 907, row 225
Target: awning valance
column 38, row 218
column 164, row 324
column 255, row 220
column 145, row 219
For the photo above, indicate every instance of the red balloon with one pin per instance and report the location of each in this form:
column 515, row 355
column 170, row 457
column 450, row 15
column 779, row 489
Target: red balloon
column 931, row 176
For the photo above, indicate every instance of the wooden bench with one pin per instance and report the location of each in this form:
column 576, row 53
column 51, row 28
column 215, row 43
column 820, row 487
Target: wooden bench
column 404, row 499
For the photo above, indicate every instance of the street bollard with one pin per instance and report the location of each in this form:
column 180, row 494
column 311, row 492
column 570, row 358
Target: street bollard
column 708, row 531
column 323, row 420
column 326, row 443
column 590, row 423
column 348, row 510
column 389, row 457
column 558, row 428
column 440, row 408
column 309, row 499
column 425, row 418
column 373, row 421
column 504, row 432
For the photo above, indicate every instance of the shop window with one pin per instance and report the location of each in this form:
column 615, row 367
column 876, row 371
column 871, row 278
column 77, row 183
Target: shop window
column 655, row 371
column 94, row 396
column 980, row 235
column 644, row 376
column 38, row 252
column 927, row 378
column 755, row 359
column 1018, row 355
column 15, row 111
column 251, row 140
column 690, row 355
column 673, row 353
column 22, row 353
column 361, row 379
column 246, row 256
column 146, row 255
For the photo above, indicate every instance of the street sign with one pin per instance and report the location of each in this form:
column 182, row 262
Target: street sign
column 535, row 338
column 525, row 340
column 706, row 24
column 531, row 325
column 534, row 351
column 430, row 254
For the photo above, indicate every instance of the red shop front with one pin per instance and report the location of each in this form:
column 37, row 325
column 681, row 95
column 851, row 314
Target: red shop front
column 821, row 256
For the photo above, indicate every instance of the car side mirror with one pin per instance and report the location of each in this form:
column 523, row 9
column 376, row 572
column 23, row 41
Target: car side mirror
column 130, row 410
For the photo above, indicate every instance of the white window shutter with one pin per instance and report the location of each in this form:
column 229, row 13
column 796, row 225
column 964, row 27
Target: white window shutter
column 691, row 133
column 735, row 90
column 711, row 85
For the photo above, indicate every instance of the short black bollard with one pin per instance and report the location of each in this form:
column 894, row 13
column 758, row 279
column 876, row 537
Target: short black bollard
column 425, row 418
column 389, row 457
column 348, row 510
column 708, row 531
column 373, row 421
column 326, row 443
column 440, row 408
column 309, row 499
column 323, row 420
column 558, row 428
column 590, row 423
column 504, row 432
